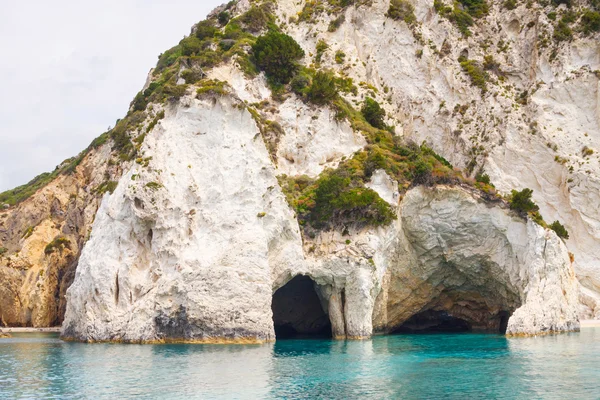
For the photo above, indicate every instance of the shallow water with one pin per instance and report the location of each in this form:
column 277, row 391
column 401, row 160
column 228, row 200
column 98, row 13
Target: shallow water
column 403, row 366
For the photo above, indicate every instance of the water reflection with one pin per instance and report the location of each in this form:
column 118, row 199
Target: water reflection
column 402, row 366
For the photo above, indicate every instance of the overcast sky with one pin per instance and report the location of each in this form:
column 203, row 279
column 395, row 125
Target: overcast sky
column 70, row 68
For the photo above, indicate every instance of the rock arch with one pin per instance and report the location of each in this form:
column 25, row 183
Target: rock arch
column 462, row 264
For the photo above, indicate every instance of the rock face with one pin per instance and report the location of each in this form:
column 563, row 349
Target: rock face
column 530, row 129
column 194, row 247
column 198, row 243
column 34, row 279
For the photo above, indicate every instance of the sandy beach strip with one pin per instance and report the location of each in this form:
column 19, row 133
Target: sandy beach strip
column 31, row 330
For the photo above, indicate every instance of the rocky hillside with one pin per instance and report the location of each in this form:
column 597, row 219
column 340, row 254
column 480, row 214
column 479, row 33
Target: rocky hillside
column 370, row 145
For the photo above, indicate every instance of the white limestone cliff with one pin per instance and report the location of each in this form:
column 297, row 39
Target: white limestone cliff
column 194, row 246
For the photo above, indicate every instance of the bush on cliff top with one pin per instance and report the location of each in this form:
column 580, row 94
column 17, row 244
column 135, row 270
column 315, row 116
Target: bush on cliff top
column 277, row 54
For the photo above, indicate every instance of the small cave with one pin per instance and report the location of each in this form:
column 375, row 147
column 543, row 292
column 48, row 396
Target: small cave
column 475, row 310
column 433, row 321
column 298, row 312
column 455, row 321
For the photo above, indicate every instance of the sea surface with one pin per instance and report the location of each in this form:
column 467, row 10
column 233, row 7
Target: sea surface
column 426, row 366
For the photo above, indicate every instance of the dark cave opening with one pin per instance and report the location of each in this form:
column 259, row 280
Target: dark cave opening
column 431, row 321
column 297, row 311
column 441, row 321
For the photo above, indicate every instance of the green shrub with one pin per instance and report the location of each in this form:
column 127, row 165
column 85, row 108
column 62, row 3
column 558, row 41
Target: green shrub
column 322, row 90
column 277, row 54
column 510, row 4
column 300, row 84
column 99, row 141
column 167, row 59
column 373, row 113
column 336, row 199
column 339, row 57
column 174, row 92
column 560, row 230
column 462, row 19
column 190, row 46
column 559, row 2
column 321, row 48
column 223, row 17
column 346, row 85
column 590, row 21
column 205, row 30
column 211, row 87
column 59, row 243
column 478, row 76
column 28, row 232
column 257, row 18
column 3, row 251
column 402, row 10
column 108, row 186
column 562, row 32
column 153, row 185
column 310, row 10
column 483, row 178
column 475, row 8
column 336, row 23
column 154, row 121
column 521, row 201
column 191, row 76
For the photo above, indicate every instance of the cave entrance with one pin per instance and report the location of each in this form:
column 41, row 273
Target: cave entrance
column 460, row 311
column 298, row 312
column 431, row 321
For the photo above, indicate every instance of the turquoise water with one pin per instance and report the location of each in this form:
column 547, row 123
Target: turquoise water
column 390, row 367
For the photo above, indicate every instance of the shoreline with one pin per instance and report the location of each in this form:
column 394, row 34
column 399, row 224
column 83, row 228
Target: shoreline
column 55, row 329
column 585, row 323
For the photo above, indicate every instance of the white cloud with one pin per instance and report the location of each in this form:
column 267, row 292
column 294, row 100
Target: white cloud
column 70, row 68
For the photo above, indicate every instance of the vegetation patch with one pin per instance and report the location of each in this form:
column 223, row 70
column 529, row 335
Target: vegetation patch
column 373, row 113
column 402, row 10
column 153, row 185
column 59, row 243
column 28, row 232
column 277, row 54
column 323, row 89
column 560, row 230
column 212, row 87
column 108, row 186
column 462, row 13
column 271, row 132
column 477, row 75
column 321, row 48
column 336, row 199
column 590, row 22
column 258, row 18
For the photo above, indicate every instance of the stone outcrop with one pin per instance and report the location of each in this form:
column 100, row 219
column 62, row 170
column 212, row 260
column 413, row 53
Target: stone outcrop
column 34, row 279
column 195, row 245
